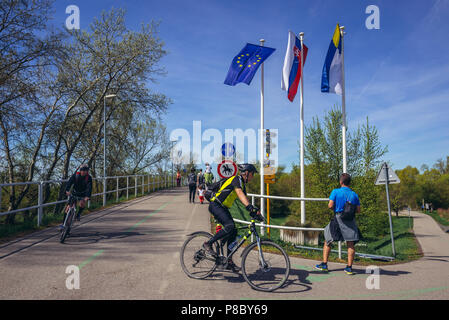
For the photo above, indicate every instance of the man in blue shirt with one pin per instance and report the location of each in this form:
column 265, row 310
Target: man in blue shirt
column 339, row 229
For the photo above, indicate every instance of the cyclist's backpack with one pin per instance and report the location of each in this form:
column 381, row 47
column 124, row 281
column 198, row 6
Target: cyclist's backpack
column 213, row 188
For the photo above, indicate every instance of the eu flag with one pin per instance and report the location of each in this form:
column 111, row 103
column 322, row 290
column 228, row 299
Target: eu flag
column 245, row 64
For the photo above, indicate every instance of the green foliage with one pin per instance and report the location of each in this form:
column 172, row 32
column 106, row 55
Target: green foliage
column 431, row 186
column 323, row 155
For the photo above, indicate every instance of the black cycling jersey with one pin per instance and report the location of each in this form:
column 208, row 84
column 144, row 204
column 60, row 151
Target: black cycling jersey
column 82, row 186
column 227, row 195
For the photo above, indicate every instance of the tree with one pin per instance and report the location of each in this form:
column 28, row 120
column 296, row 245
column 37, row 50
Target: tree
column 323, row 155
column 52, row 99
column 27, row 53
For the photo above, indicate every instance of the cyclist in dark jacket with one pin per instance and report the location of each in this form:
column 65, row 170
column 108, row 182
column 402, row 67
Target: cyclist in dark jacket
column 82, row 188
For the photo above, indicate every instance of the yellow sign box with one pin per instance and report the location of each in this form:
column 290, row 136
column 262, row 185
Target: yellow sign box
column 269, row 176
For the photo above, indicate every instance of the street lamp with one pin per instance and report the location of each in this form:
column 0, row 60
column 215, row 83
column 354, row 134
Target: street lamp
column 110, row 96
column 172, row 165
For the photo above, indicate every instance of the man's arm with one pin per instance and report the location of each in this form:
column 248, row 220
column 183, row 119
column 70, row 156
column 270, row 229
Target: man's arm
column 69, row 184
column 331, row 204
column 242, row 196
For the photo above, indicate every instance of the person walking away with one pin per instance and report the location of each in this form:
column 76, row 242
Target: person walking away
column 201, row 193
column 345, row 203
column 192, row 185
column 178, row 179
column 200, row 177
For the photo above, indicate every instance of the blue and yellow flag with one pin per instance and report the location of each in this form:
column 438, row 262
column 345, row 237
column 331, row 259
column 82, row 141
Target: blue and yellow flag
column 332, row 77
column 245, row 64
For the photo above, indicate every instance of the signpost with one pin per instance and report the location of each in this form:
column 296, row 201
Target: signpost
column 227, row 169
column 387, row 176
column 227, row 150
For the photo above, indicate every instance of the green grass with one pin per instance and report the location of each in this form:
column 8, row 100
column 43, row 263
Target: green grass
column 406, row 245
column 439, row 219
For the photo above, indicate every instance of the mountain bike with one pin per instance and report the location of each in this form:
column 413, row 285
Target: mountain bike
column 265, row 265
column 69, row 217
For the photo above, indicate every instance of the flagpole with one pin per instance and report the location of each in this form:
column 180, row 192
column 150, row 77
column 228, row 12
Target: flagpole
column 301, row 126
column 262, row 203
column 343, row 106
column 343, row 97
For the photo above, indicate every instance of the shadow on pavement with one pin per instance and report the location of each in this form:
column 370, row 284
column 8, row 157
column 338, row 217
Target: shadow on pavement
column 83, row 238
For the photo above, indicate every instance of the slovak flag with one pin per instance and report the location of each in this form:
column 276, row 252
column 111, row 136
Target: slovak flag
column 291, row 73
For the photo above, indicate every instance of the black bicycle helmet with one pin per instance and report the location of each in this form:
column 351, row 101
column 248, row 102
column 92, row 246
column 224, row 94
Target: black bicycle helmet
column 247, row 167
column 84, row 167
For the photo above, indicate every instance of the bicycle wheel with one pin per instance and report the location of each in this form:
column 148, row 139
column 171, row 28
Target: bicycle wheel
column 194, row 261
column 66, row 230
column 270, row 276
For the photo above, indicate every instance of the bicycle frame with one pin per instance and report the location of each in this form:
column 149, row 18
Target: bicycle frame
column 252, row 231
column 71, row 206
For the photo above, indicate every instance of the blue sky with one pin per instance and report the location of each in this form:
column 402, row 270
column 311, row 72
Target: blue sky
column 398, row 75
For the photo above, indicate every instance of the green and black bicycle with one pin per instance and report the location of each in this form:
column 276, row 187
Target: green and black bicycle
column 265, row 265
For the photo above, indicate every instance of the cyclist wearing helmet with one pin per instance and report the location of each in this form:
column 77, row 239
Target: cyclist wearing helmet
column 82, row 187
column 231, row 189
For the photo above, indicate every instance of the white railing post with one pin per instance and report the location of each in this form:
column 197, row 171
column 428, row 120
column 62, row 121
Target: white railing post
column 104, row 191
column 127, row 187
column 143, row 186
column 40, row 199
column 116, row 191
column 135, row 186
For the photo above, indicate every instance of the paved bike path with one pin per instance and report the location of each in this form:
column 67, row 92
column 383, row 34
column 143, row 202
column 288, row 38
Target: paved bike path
column 131, row 251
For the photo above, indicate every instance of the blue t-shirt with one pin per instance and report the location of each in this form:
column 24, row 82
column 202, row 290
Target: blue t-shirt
column 341, row 195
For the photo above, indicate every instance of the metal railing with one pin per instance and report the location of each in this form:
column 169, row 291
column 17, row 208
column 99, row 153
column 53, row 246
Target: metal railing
column 153, row 183
column 262, row 226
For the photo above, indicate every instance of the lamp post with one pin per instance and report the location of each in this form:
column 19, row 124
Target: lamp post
column 172, row 164
column 104, row 146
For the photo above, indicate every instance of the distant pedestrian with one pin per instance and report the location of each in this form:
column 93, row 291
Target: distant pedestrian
column 192, row 185
column 208, row 176
column 178, row 179
column 201, row 193
column 200, row 178
column 345, row 203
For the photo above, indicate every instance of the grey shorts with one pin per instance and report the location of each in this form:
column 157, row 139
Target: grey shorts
column 348, row 230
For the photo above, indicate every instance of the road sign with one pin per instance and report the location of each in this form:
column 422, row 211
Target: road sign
column 269, row 176
column 387, row 176
column 269, row 181
column 382, row 176
column 227, row 169
column 269, row 171
column 267, row 142
column 227, row 150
